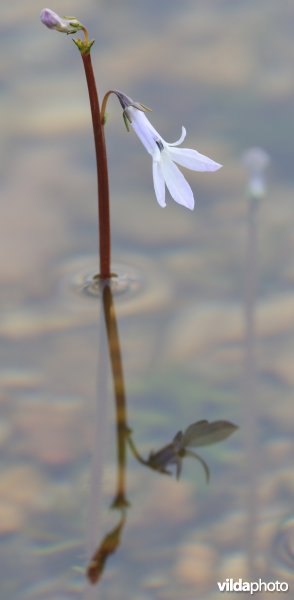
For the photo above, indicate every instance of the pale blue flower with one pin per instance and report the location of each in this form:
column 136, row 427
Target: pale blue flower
column 165, row 155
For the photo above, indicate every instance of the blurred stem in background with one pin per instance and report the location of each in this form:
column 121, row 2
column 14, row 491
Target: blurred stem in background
column 255, row 160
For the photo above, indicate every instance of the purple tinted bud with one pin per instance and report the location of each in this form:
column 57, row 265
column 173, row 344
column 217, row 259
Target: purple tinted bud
column 53, row 21
column 50, row 18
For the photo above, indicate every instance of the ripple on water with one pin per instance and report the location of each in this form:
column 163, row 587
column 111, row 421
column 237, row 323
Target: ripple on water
column 138, row 285
column 55, row 589
column 283, row 547
column 123, row 281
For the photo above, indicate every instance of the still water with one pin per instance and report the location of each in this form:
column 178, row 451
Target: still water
column 95, row 386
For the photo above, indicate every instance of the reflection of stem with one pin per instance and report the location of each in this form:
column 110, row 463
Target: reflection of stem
column 102, row 171
column 250, row 385
column 135, row 452
column 108, row 545
column 119, row 391
column 111, row 541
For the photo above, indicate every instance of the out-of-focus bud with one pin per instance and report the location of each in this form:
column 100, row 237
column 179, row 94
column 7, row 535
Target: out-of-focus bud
column 256, row 161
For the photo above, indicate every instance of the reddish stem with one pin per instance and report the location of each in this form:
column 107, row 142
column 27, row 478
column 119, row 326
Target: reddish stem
column 102, row 171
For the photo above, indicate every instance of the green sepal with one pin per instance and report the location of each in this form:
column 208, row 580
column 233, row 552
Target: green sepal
column 75, row 25
column 84, row 47
column 126, row 121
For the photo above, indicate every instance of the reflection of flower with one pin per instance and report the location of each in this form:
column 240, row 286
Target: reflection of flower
column 165, row 171
column 53, row 21
column 201, row 433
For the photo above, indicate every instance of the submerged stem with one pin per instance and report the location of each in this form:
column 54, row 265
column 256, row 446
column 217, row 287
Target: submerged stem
column 102, row 171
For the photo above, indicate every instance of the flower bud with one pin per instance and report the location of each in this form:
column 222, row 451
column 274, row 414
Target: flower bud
column 256, row 161
column 64, row 24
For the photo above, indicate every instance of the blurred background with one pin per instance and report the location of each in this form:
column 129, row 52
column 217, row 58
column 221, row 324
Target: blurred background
column 224, row 70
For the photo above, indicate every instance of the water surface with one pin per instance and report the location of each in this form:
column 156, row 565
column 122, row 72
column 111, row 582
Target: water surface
column 224, row 71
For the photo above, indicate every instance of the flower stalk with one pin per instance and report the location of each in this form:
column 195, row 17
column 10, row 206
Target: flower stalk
column 165, row 156
column 102, row 170
column 71, row 25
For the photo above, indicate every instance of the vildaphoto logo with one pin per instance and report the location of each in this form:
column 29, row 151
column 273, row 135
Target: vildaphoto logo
column 239, row 585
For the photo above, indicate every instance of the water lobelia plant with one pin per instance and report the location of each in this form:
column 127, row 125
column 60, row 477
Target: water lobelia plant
column 165, row 156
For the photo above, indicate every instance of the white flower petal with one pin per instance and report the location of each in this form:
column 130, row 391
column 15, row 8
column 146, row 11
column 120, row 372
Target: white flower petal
column 165, row 155
column 143, row 128
column 180, row 140
column 159, row 184
column 176, row 183
column 191, row 159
